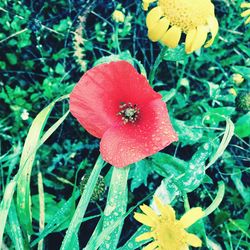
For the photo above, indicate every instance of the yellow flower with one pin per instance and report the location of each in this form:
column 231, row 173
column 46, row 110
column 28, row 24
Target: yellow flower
column 246, row 12
column 118, row 16
column 167, row 232
column 170, row 18
column 232, row 91
column 237, row 78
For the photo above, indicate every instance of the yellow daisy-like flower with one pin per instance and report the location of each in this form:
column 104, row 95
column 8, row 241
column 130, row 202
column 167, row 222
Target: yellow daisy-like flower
column 167, row 232
column 246, row 13
column 170, row 18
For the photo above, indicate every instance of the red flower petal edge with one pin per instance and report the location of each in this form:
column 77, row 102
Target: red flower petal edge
column 112, row 101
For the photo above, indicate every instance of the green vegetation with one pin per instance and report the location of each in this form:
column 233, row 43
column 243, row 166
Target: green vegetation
column 46, row 46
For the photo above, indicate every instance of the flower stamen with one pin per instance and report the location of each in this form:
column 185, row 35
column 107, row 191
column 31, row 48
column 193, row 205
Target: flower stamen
column 129, row 112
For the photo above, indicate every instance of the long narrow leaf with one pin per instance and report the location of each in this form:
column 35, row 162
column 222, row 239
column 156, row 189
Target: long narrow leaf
column 116, row 206
column 217, row 200
column 82, row 206
column 15, row 230
column 5, row 206
column 58, row 219
column 229, row 132
column 31, row 145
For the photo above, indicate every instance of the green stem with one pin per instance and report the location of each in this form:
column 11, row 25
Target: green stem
column 186, row 57
column 156, row 64
column 186, row 202
column 117, row 38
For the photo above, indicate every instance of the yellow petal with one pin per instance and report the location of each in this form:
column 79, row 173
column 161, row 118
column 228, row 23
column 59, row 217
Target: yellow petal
column 200, row 38
column 153, row 245
column 144, row 219
column 245, row 5
column 245, row 13
column 247, row 21
column 153, row 17
column 146, row 3
column 166, row 211
column 191, row 216
column 172, row 37
column 214, row 27
column 159, row 29
column 189, row 40
column 144, row 236
column 149, row 212
column 193, row 240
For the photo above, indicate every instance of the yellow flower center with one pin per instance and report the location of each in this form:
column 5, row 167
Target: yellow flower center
column 187, row 14
column 170, row 235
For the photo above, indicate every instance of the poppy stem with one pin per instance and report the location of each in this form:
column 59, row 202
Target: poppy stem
column 156, row 64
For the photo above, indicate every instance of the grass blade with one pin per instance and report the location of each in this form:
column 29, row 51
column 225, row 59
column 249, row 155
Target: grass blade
column 116, row 206
column 131, row 244
column 61, row 215
column 31, row 145
column 82, row 206
column 15, row 230
column 42, row 207
column 5, row 206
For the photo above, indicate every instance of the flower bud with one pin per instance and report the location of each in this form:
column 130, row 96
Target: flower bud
column 98, row 190
column 118, row 16
column 238, row 79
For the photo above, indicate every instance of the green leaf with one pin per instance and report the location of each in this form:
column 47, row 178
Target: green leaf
column 31, row 145
column 195, row 171
column 229, row 132
column 244, row 71
column 63, row 25
column 239, row 225
column 5, row 205
column 51, row 207
column 186, row 176
column 216, row 115
column 167, row 191
column 63, row 214
column 244, row 191
column 242, row 126
column 59, row 69
column 167, row 165
column 167, row 95
column 132, row 244
column 188, row 134
column 217, row 200
column 14, row 228
column 139, row 174
column 11, row 58
column 115, row 207
column 125, row 55
column 176, row 54
column 82, row 206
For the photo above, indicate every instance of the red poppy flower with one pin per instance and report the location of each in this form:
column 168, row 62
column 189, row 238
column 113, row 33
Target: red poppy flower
column 112, row 101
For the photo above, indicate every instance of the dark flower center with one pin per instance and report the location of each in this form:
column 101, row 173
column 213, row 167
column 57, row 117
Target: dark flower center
column 128, row 112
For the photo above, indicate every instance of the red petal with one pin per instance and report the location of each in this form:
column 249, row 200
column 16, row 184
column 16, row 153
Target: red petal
column 123, row 145
column 96, row 97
